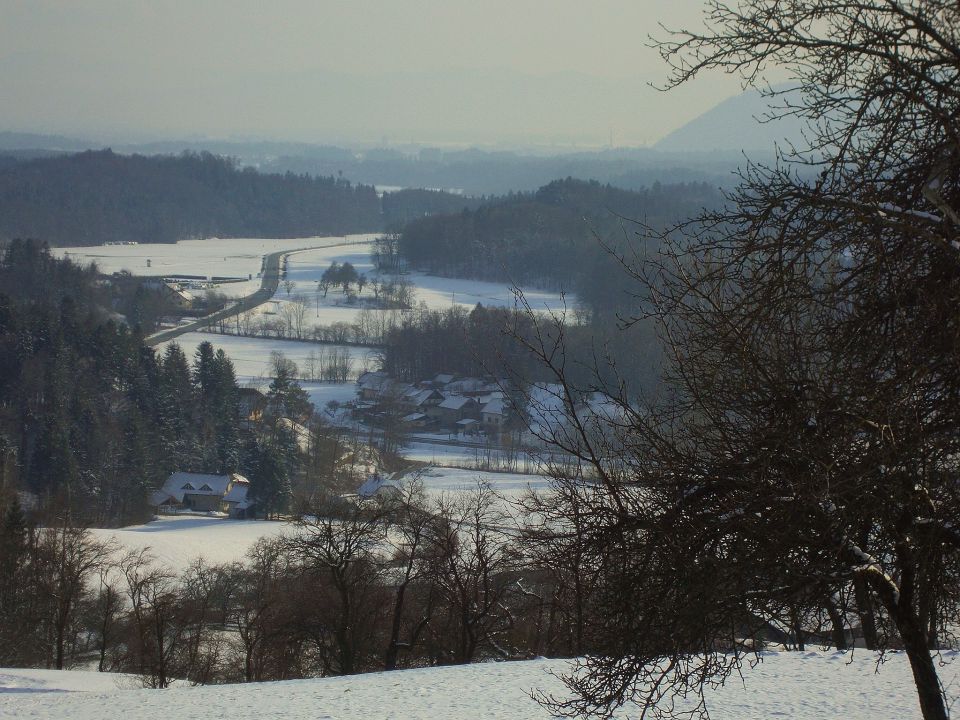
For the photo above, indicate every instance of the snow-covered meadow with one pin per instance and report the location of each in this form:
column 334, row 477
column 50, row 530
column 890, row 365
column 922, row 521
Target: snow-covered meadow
column 221, row 257
column 803, row 686
column 176, row 541
column 251, row 357
column 510, row 486
column 242, row 257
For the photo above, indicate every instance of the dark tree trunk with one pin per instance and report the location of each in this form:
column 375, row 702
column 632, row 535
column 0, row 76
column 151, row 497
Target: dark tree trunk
column 868, row 621
column 393, row 649
column 932, row 706
column 837, row 626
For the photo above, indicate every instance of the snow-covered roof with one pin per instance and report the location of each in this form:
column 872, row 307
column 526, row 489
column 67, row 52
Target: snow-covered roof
column 412, row 417
column 497, row 406
column 419, row 397
column 237, row 496
column 373, row 380
column 183, row 483
column 466, row 422
column 375, row 483
column 455, row 402
column 443, row 378
column 468, row 385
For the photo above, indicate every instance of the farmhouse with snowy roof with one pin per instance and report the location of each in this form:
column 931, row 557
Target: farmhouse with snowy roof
column 198, row 492
column 455, row 408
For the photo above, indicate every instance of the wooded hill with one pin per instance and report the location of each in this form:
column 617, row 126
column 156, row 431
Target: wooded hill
column 550, row 238
column 100, row 196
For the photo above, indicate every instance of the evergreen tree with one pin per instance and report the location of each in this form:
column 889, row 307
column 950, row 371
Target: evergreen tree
column 285, row 397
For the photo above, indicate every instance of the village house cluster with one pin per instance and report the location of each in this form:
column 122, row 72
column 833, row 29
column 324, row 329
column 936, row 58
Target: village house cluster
column 462, row 405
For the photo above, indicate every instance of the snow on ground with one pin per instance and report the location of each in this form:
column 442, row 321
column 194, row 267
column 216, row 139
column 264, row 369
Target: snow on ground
column 322, row 393
column 28, row 680
column 305, row 270
column 225, row 257
column 511, row 486
column 251, row 356
column 804, row 686
column 176, row 541
column 468, row 457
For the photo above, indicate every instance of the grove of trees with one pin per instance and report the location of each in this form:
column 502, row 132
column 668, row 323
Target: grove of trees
column 549, row 238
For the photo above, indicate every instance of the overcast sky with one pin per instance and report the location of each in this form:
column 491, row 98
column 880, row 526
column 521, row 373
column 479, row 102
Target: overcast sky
column 431, row 71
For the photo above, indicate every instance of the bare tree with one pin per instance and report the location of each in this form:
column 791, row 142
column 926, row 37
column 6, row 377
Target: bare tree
column 409, row 528
column 156, row 632
column 473, row 559
column 803, row 459
column 337, row 544
column 72, row 556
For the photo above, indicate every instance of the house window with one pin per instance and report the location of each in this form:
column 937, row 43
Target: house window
column 188, row 486
column 206, row 487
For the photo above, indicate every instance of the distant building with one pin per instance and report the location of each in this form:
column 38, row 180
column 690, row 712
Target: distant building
column 495, row 414
column 371, row 385
column 454, row 409
column 198, row 492
column 251, row 403
column 180, row 298
column 382, row 486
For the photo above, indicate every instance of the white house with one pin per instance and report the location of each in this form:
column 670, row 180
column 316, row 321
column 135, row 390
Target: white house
column 203, row 493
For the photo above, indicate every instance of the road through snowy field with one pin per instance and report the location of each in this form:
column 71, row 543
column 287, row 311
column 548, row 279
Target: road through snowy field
column 804, row 686
column 223, row 257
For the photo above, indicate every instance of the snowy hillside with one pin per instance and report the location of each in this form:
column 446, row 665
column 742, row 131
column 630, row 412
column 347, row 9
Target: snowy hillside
column 805, row 686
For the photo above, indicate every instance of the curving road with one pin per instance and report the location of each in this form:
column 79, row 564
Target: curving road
column 269, row 283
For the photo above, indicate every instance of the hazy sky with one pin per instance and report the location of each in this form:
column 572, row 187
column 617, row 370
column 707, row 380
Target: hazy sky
column 445, row 71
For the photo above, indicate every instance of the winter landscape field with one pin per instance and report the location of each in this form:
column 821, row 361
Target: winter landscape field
column 221, row 257
column 804, row 686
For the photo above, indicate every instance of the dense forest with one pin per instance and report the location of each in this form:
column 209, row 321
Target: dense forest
column 95, row 197
column 489, row 341
column 91, row 419
column 551, row 238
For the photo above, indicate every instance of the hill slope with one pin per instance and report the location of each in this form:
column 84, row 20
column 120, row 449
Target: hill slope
column 797, row 685
column 733, row 126
column 95, row 197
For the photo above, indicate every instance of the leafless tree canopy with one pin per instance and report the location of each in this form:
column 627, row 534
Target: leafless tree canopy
column 802, row 470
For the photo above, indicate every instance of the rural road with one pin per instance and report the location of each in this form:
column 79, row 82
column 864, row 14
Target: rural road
column 269, row 283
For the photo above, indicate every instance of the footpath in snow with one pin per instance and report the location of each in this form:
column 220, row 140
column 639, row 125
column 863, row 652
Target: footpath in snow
column 805, row 686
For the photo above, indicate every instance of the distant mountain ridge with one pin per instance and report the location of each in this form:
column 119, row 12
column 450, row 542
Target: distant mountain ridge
column 734, row 125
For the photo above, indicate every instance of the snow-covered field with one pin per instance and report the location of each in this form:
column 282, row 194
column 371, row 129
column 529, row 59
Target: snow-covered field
column 222, row 257
column 176, row 541
column 241, row 257
column 306, row 268
column 510, row 486
column 804, row 686
column 467, row 457
column 251, row 356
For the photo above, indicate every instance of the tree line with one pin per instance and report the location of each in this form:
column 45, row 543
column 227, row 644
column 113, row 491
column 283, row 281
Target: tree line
column 553, row 238
column 483, row 341
column 400, row 581
column 95, row 197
